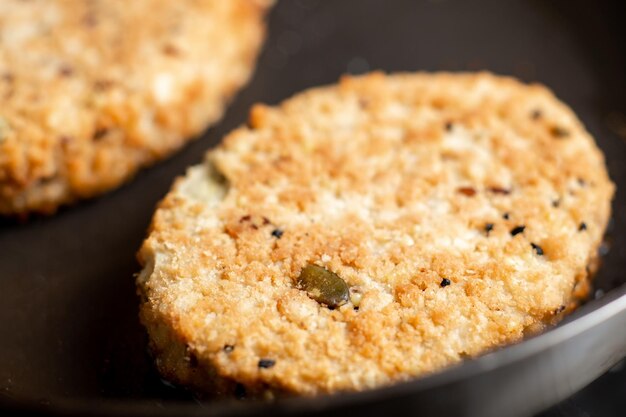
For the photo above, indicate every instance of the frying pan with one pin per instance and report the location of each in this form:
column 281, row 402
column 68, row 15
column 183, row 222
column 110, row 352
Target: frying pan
column 71, row 343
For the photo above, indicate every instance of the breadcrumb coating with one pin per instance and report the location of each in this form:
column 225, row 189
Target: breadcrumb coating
column 452, row 205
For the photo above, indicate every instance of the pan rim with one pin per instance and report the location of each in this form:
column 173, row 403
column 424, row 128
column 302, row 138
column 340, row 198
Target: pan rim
column 589, row 315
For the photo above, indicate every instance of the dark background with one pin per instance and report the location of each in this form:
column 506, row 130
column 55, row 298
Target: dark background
column 68, row 310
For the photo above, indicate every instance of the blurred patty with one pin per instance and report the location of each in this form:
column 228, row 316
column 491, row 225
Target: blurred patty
column 91, row 91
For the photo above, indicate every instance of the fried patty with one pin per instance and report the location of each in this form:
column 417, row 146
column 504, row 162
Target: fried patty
column 371, row 232
column 91, row 91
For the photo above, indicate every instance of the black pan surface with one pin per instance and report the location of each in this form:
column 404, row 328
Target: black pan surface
column 70, row 339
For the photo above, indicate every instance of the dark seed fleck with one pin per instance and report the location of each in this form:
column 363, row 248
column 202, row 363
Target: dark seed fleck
column 240, row 391
column 517, row 230
column 581, row 182
column 245, row 218
column 449, row 126
column 582, row 226
column 467, row 191
column 499, row 190
column 228, row 348
column 90, row 20
column 506, row 216
column 266, row 363
column 356, row 308
column 536, row 114
column 266, row 221
column 445, row 282
column 537, row 249
column 488, row 228
column 65, row 140
column 559, row 310
column 103, row 85
column 100, row 133
column 8, row 77
column 66, row 71
column 323, row 286
column 277, row 233
column 559, row 132
column 556, row 203
column 171, row 50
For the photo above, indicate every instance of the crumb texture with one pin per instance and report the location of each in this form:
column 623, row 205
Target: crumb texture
column 90, row 91
column 452, row 205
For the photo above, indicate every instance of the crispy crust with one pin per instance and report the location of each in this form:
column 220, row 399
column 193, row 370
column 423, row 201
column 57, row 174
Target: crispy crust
column 395, row 183
column 108, row 87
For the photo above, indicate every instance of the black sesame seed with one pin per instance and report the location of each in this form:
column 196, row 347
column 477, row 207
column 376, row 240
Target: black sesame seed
column 506, row 216
column 445, row 282
column 266, row 363
column 449, row 126
column 488, row 228
column 277, row 233
column 556, row 203
column 517, row 230
column 228, row 348
column 240, row 391
column 582, row 227
column 537, row 249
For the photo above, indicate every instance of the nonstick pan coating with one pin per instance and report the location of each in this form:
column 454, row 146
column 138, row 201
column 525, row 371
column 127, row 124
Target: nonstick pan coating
column 71, row 342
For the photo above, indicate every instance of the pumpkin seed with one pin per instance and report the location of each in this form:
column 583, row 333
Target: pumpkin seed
column 323, row 286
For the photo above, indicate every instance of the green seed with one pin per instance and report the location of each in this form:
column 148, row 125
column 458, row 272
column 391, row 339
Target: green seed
column 323, row 286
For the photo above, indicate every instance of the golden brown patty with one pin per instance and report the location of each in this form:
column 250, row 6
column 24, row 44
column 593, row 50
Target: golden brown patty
column 91, row 91
column 460, row 210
